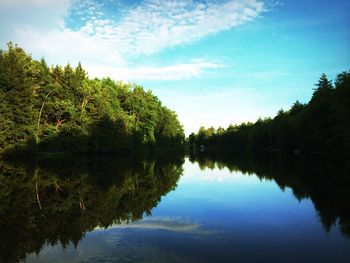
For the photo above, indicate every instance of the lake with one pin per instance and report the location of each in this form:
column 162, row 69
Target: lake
column 110, row 210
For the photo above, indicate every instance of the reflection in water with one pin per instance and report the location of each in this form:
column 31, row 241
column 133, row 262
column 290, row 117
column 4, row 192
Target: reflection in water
column 168, row 224
column 327, row 185
column 93, row 208
column 59, row 201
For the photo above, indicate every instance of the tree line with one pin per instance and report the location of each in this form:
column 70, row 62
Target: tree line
column 321, row 126
column 60, row 109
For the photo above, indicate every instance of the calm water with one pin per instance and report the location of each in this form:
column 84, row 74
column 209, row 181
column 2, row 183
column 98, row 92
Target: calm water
column 190, row 212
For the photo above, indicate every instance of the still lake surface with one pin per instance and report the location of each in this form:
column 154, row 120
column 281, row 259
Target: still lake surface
column 191, row 212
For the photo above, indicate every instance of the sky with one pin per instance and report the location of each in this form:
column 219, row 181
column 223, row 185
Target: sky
column 214, row 62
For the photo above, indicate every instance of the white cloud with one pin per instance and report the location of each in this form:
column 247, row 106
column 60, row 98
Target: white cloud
column 173, row 72
column 62, row 46
column 38, row 15
column 104, row 44
column 158, row 24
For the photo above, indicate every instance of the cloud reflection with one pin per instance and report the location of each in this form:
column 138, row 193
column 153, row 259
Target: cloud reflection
column 164, row 223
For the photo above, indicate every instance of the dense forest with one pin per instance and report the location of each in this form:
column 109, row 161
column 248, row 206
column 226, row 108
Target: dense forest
column 321, row 126
column 55, row 109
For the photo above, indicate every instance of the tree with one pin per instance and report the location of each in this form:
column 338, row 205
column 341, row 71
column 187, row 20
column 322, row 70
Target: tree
column 60, row 109
column 18, row 78
column 320, row 126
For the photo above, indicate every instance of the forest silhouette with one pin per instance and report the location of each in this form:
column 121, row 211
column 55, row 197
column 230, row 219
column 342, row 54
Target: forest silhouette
column 60, row 110
column 319, row 127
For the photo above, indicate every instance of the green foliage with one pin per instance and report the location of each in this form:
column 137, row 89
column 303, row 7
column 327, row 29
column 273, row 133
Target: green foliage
column 59, row 109
column 321, row 126
column 18, row 80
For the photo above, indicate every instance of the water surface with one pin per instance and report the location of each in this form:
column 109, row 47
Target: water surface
column 195, row 212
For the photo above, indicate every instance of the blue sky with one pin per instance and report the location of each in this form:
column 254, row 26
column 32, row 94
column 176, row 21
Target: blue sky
column 213, row 62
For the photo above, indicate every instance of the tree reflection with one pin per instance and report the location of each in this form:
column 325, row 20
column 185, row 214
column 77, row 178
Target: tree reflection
column 59, row 201
column 327, row 184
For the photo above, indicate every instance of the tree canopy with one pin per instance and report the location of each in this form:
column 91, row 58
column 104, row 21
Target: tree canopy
column 61, row 109
column 321, row 126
